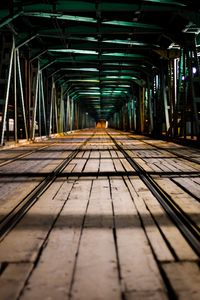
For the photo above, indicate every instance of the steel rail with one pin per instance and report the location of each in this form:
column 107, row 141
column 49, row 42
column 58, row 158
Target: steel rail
column 23, row 155
column 188, row 228
column 176, row 155
column 17, row 213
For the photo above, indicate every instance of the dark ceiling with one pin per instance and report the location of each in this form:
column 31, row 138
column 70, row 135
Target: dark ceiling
column 98, row 50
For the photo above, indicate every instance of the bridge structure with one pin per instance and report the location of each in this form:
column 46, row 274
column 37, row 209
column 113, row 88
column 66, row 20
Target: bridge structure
column 99, row 150
column 66, row 64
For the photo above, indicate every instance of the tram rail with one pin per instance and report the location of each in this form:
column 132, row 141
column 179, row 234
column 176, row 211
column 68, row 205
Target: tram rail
column 167, row 150
column 23, row 155
column 17, row 213
column 187, row 226
column 189, row 229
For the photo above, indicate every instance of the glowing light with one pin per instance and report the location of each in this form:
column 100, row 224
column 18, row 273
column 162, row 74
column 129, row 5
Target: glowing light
column 126, row 42
column 79, row 51
column 194, row 70
column 81, row 69
column 131, row 24
column 124, row 55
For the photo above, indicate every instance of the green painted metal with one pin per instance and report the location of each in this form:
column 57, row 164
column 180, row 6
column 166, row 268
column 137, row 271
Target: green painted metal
column 60, row 17
column 8, row 19
column 133, row 24
column 170, row 2
column 98, row 51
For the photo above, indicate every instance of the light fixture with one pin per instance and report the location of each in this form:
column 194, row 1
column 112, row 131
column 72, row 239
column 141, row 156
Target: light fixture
column 125, row 42
column 78, row 51
column 132, row 24
column 122, row 54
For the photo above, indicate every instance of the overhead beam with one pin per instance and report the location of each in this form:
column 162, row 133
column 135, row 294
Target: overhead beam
column 75, row 18
column 9, row 19
column 106, row 6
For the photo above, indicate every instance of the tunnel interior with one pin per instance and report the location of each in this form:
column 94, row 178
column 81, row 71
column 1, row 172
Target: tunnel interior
column 67, row 65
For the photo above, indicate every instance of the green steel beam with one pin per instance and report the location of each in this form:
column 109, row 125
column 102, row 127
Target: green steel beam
column 60, row 16
column 133, row 24
column 9, row 19
column 104, row 6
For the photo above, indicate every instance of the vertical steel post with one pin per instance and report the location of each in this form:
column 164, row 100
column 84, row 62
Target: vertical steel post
column 71, row 115
column 56, row 111
column 166, row 107
column 149, row 96
column 68, row 113
column 7, row 92
column 51, row 107
column 15, row 94
column 175, row 81
column 185, row 92
column 39, row 106
column 174, row 98
column 141, row 109
column 22, row 95
column 43, row 104
column 35, row 104
column 61, row 110
column 129, row 115
column 28, row 95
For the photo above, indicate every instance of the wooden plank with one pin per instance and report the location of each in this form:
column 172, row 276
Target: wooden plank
column 113, row 154
column 105, row 154
column 94, row 154
column 158, row 243
column 191, row 166
column 64, row 190
column 79, row 165
column 81, row 190
column 99, row 213
column 106, row 165
column 70, row 167
column 190, row 185
column 86, row 154
column 139, row 272
column 96, row 275
column 143, row 164
column 126, row 165
column 13, row 279
column 156, row 164
column 92, row 165
column 167, row 165
column 187, row 203
column 118, row 165
column 184, row 278
column 52, row 278
column 181, row 165
column 169, row 230
column 80, row 154
column 13, row 190
column 196, row 180
column 147, row 295
column 25, row 240
column 154, row 167
column 119, row 154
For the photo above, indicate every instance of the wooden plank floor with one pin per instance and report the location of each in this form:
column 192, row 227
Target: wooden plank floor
column 97, row 232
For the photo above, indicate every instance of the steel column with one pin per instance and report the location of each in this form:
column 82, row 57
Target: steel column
column 43, row 102
column 22, row 94
column 35, row 104
column 51, row 107
column 15, row 94
column 7, row 92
